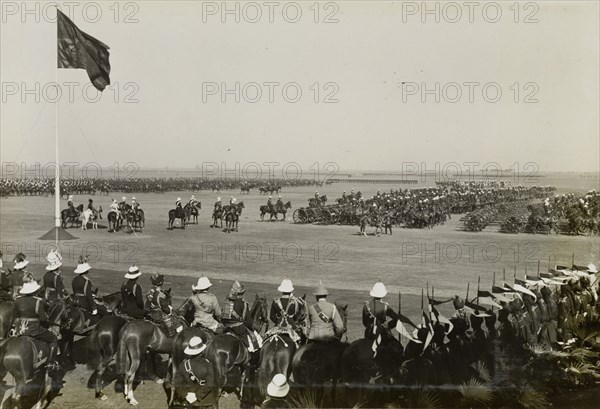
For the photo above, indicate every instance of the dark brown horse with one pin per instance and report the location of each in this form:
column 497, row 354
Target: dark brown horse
column 181, row 214
column 276, row 357
column 232, row 217
column 6, row 318
column 67, row 216
column 20, row 356
column 282, row 209
column 318, row 366
column 135, row 338
column 230, row 356
column 102, row 344
column 193, row 214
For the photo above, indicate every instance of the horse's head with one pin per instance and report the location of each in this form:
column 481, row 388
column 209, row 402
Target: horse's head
column 79, row 208
column 288, row 205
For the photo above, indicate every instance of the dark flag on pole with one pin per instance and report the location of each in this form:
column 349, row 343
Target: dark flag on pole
column 77, row 49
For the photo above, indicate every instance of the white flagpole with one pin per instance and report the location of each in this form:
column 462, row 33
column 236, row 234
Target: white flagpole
column 57, row 219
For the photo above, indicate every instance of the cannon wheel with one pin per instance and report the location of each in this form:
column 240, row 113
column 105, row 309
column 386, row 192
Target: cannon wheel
column 296, row 215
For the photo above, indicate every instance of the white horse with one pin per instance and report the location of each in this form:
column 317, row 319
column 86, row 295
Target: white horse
column 91, row 216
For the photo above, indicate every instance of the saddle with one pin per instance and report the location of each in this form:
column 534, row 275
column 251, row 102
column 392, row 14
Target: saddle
column 277, row 332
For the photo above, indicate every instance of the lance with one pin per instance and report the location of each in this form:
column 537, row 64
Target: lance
column 428, row 307
column 467, row 297
column 421, row 299
column 494, row 279
column 399, row 312
column 538, row 268
column 573, row 259
column 478, row 281
column 504, row 275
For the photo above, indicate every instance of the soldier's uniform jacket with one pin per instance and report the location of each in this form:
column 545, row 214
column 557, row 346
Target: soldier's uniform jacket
column 324, row 322
column 30, row 310
column 279, row 204
column 82, row 288
column 374, row 316
column 6, row 285
column 235, row 313
column 16, row 281
column 122, row 205
column 218, row 205
column 288, row 311
column 157, row 300
column 133, row 299
column 55, row 288
column 206, row 309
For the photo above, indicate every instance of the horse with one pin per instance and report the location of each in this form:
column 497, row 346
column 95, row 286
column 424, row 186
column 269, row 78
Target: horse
column 102, row 344
column 373, row 221
column 24, row 358
column 281, row 209
column 276, row 357
column 91, row 215
column 360, row 368
column 190, row 375
column 193, row 211
column 217, row 215
column 6, row 318
column 245, row 189
column 67, row 215
column 260, row 314
column 113, row 221
column 135, row 337
column 316, row 364
column 232, row 217
column 181, row 214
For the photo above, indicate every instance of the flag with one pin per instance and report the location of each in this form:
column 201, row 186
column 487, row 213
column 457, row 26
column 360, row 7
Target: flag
column 404, row 333
column 77, row 49
column 429, row 327
column 439, row 302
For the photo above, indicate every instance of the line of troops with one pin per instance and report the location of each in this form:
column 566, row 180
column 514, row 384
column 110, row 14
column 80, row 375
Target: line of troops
column 539, row 310
column 45, row 186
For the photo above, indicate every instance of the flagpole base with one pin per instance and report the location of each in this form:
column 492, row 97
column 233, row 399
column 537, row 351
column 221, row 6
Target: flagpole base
column 58, row 233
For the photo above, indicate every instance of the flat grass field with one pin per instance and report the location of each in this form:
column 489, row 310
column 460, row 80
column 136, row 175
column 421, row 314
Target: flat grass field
column 261, row 254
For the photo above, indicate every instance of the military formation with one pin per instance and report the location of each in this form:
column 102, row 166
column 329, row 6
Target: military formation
column 502, row 328
column 105, row 186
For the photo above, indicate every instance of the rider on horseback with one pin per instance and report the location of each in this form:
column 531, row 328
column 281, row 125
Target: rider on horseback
column 375, row 314
column 288, row 311
column 323, row 320
column 134, row 204
column 270, row 205
column 207, row 313
column 53, row 282
column 18, row 273
column 91, row 206
column 71, row 207
column 237, row 319
column 133, row 299
column 29, row 312
column 123, row 204
column 158, row 307
column 83, row 291
column 279, row 204
column 218, row 206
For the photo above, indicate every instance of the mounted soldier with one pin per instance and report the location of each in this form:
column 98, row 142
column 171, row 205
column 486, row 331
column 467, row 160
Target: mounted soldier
column 134, row 204
column 236, row 318
column 53, row 282
column 133, row 298
column 158, row 304
column 218, row 206
column 5, row 283
column 71, row 206
column 123, row 204
column 279, row 204
column 29, row 314
column 207, row 312
column 270, row 205
column 90, row 205
column 323, row 321
column 288, row 311
column 16, row 277
column 375, row 314
column 84, row 291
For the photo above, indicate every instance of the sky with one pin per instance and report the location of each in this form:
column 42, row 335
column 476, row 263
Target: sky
column 369, row 74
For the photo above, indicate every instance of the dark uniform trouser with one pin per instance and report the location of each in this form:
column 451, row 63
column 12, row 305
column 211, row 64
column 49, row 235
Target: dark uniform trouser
column 45, row 335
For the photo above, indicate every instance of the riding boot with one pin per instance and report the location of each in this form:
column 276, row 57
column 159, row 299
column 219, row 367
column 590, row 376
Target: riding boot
column 52, row 364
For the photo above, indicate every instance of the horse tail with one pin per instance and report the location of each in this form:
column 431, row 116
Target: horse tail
column 123, row 359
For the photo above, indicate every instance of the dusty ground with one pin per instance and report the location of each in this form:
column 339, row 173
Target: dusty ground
column 262, row 253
